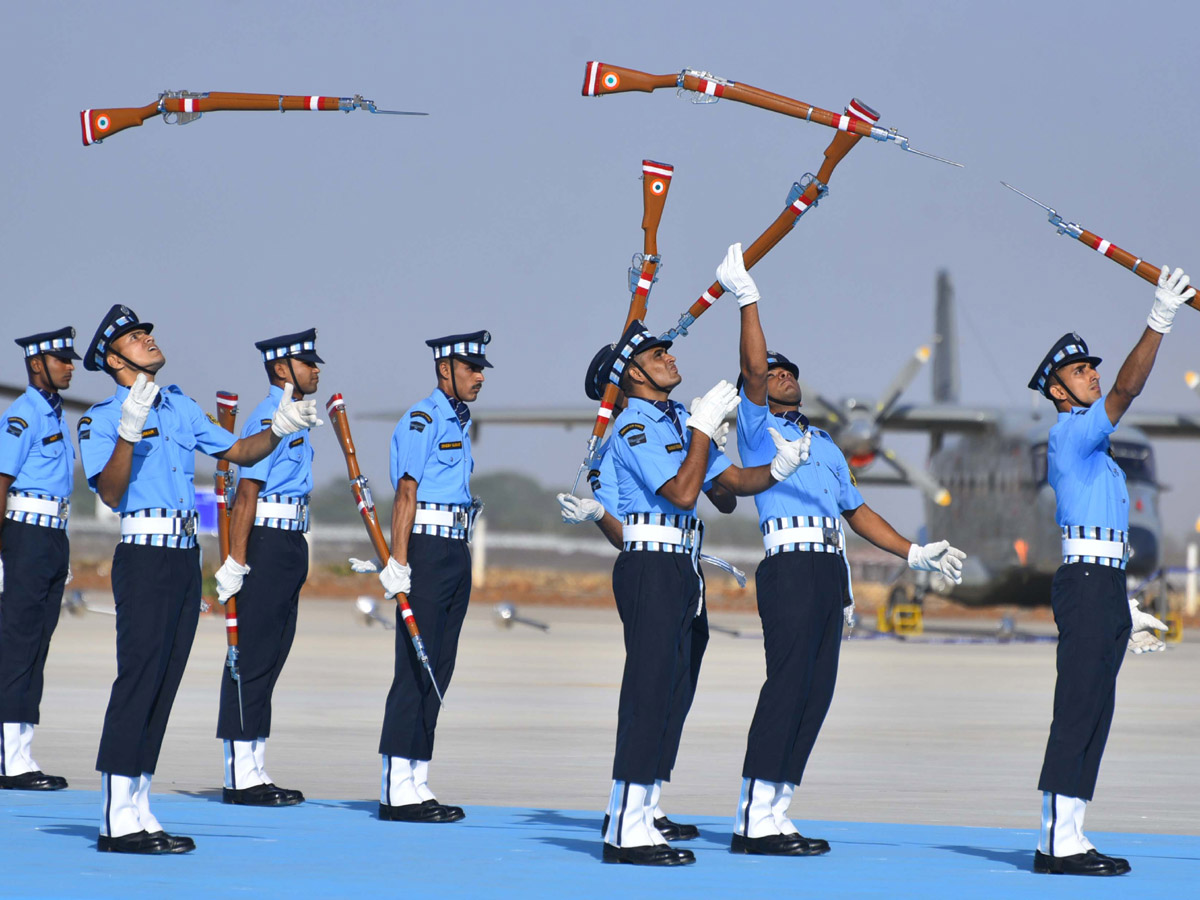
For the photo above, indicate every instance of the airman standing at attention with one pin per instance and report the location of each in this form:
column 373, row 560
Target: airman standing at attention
column 139, row 455
column 1094, row 614
column 37, row 461
column 266, row 568
column 803, row 583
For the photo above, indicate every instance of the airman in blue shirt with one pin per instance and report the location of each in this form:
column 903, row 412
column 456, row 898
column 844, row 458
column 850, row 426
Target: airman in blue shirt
column 803, row 583
column 266, row 568
column 36, row 477
column 432, row 515
column 1096, row 619
column 138, row 450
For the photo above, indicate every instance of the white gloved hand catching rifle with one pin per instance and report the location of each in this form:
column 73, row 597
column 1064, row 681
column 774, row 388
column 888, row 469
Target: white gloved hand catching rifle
column 577, row 510
column 789, row 455
column 1142, row 638
column 709, row 411
column 734, row 278
column 395, row 578
column 229, row 579
column 1172, row 292
column 937, row 557
column 294, row 415
column 136, row 407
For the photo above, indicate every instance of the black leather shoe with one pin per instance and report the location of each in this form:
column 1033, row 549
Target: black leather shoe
column 1122, row 865
column 32, row 781
column 176, row 843
column 674, row 831
column 453, row 813
column 648, row 855
column 138, row 842
column 293, row 797
column 777, row 845
column 259, row 795
column 416, row 812
column 1090, row 863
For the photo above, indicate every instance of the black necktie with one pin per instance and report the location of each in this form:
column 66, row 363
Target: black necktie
column 797, row 418
column 668, row 407
column 55, row 402
column 460, row 409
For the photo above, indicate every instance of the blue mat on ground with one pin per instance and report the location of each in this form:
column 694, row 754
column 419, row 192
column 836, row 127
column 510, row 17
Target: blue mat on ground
column 334, row 848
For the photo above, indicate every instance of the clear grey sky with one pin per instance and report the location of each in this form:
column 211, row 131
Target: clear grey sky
column 515, row 205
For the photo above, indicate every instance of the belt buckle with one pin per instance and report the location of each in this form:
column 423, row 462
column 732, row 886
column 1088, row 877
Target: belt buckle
column 64, row 508
column 829, row 537
column 462, row 519
column 302, row 516
column 189, row 526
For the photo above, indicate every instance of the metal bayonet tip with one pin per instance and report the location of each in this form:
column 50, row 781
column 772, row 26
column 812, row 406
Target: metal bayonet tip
column 949, row 162
column 369, row 105
column 1031, row 199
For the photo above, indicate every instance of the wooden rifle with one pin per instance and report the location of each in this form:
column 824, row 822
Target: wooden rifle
column 227, row 410
column 182, row 107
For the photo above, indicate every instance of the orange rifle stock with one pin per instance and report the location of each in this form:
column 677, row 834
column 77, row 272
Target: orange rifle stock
column 227, row 410
column 1135, row 264
column 804, row 196
column 601, row 79
column 336, row 407
column 656, row 182
column 182, row 107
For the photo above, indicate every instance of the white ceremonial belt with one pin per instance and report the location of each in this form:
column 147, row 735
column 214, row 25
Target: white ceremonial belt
column 158, row 525
column 659, row 534
column 1090, row 547
column 802, row 535
column 59, row 508
column 265, row 510
column 444, row 517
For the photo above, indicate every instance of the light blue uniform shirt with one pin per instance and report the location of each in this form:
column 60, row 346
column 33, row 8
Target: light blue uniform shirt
column 164, row 461
column 647, row 452
column 432, row 447
column 36, row 448
column 288, row 470
column 822, row 487
column 1089, row 486
column 603, row 479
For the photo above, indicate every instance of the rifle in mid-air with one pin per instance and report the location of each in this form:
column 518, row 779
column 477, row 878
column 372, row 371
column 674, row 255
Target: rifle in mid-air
column 182, row 107
column 803, row 196
column 656, row 182
column 227, row 410
column 1134, row 264
column 336, row 407
column 703, row 87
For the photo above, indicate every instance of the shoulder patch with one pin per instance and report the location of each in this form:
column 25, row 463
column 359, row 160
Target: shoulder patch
column 673, row 448
column 416, row 425
column 420, row 414
column 635, row 439
column 853, row 480
column 297, row 442
column 52, row 439
column 450, row 445
column 16, row 426
column 632, row 426
column 211, row 418
column 85, row 429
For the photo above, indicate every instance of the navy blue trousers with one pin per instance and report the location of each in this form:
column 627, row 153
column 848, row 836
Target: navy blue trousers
column 35, row 571
column 157, row 594
column 1091, row 610
column 800, row 600
column 441, row 590
column 266, row 610
column 657, row 596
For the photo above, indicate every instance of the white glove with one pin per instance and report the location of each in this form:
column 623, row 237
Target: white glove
column 395, row 578
column 721, row 436
column 135, row 407
column 709, row 411
column 1172, row 292
column 789, row 455
column 1141, row 638
column 1, row 576
column 229, row 579
column 70, row 576
column 848, row 614
column 576, row 510
column 293, row 416
column 734, row 278
column 937, row 557
column 365, row 566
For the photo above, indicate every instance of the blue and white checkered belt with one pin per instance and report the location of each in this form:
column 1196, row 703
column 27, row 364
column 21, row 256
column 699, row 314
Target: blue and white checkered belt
column 288, row 513
column 1099, row 546
column 818, row 534
column 160, row 527
column 663, row 532
column 32, row 508
column 448, row 520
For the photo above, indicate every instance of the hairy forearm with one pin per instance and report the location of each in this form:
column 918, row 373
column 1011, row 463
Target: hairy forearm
column 752, row 352
column 746, row 482
column 249, row 450
column 113, row 480
column 241, row 519
column 1131, row 379
column 404, row 513
column 875, row 528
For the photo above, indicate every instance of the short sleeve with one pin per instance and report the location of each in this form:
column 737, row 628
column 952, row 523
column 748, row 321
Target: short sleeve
column 849, row 497
column 15, row 441
column 1086, row 432
column 211, row 438
column 412, row 442
column 646, row 457
column 718, row 462
column 754, row 443
column 97, row 440
column 604, row 484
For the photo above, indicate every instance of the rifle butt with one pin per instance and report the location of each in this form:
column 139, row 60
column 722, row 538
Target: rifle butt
column 97, row 124
column 656, row 182
column 600, row 79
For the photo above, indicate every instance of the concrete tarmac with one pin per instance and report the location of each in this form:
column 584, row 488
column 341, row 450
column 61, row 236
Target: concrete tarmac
column 922, row 732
